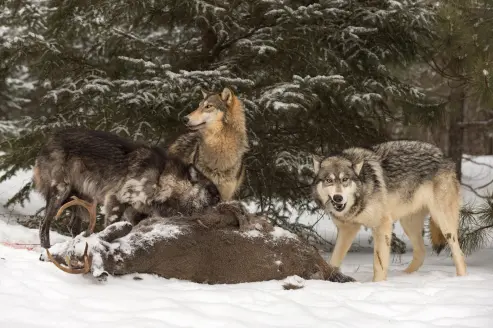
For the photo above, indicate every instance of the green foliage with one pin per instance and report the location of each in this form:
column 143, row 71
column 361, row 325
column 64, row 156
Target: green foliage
column 475, row 229
column 463, row 51
column 463, row 56
column 314, row 76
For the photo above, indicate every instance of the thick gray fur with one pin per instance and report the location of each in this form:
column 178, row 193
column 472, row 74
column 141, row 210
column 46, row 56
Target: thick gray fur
column 395, row 180
column 125, row 176
column 405, row 166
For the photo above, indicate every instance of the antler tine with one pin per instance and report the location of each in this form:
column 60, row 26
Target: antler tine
column 70, row 269
column 90, row 207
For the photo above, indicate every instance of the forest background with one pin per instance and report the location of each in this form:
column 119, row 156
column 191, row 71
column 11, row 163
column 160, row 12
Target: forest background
column 314, row 76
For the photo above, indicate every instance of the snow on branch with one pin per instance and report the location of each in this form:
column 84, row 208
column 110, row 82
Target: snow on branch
column 11, row 127
column 363, row 98
column 139, row 61
column 322, row 79
column 203, row 7
column 483, row 123
column 80, row 87
column 355, row 30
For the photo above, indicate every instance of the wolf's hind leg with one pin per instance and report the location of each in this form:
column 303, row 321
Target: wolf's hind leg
column 57, row 196
column 413, row 227
column 445, row 211
column 450, row 231
column 446, row 221
column 346, row 232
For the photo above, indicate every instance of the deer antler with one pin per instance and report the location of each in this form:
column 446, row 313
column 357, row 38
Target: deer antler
column 74, row 270
column 91, row 208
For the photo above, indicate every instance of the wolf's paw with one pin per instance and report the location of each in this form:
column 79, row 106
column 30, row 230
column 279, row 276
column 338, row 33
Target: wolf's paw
column 338, row 276
column 43, row 257
column 100, row 276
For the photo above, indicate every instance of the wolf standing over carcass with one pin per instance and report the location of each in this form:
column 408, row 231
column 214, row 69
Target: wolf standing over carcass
column 394, row 180
column 218, row 141
column 124, row 176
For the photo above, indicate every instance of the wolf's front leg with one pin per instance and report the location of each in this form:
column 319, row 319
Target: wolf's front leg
column 381, row 251
column 346, row 232
column 227, row 189
column 113, row 209
column 133, row 216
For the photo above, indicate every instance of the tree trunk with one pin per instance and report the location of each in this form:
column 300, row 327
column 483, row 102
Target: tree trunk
column 457, row 107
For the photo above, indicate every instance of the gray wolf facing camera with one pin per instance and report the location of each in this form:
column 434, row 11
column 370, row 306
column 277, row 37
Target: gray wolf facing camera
column 395, row 180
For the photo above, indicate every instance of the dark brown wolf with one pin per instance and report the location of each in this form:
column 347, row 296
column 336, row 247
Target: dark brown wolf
column 218, row 141
column 124, row 176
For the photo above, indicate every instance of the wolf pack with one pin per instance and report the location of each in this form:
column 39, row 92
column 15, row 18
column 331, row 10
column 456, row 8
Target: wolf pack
column 374, row 187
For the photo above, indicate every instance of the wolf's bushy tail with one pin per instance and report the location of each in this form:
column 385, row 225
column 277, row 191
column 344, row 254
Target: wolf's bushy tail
column 438, row 241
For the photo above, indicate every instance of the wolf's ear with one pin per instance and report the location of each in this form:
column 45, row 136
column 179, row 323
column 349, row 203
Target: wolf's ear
column 358, row 166
column 316, row 163
column 193, row 173
column 204, row 93
column 227, row 96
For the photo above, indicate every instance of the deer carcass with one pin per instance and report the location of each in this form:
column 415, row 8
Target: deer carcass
column 223, row 244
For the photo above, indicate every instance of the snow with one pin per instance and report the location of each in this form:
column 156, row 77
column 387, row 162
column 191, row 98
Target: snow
column 37, row 294
column 138, row 61
column 478, row 175
column 279, row 233
column 158, row 232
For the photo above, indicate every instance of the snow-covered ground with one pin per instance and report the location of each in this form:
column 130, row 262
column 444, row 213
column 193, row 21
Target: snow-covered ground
column 37, row 294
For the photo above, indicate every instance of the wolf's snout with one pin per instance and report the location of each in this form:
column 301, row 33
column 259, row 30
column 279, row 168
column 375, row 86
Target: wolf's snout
column 338, row 198
column 185, row 119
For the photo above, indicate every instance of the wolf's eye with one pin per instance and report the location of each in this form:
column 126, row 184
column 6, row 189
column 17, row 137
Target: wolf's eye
column 345, row 179
column 328, row 180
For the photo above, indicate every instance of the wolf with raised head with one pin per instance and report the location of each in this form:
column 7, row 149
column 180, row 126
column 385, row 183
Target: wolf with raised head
column 218, row 141
column 395, row 180
column 125, row 176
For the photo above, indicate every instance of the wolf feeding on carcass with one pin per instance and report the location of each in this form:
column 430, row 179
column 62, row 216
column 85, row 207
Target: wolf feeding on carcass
column 130, row 179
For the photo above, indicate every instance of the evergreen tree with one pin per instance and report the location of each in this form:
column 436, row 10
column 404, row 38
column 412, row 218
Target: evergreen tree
column 314, row 76
column 462, row 55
